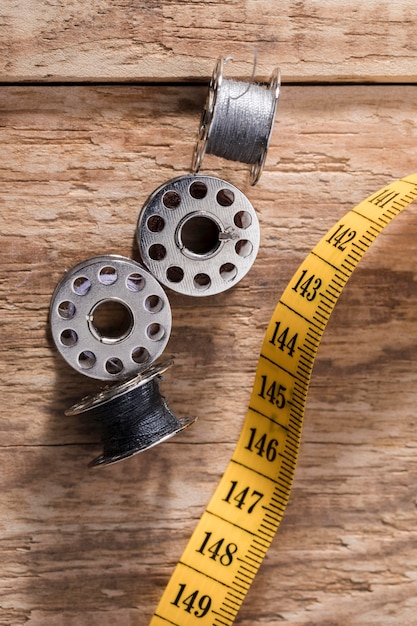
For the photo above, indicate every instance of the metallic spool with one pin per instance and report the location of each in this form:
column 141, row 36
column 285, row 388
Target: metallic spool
column 132, row 420
column 211, row 115
column 198, row 235
column 87, row 302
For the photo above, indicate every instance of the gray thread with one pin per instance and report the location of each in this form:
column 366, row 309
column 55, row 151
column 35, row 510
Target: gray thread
column 242, row 120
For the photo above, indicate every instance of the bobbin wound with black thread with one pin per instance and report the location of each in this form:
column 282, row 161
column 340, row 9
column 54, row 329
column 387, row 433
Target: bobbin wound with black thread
column 237, row 120
column 198, row 235
column 133, row 414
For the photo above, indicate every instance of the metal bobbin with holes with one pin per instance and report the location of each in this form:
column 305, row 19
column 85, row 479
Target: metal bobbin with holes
column 223, row 133
column 110, row 318
column 198, row 235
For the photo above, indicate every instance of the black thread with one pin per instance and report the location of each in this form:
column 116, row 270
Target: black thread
column 134, row 421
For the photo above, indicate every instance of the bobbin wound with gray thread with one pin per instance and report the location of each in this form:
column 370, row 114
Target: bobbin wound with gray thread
column 237, row 121
column 110, row 318
column 198, row 235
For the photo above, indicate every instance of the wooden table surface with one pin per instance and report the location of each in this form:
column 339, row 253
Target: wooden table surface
column 99, row 104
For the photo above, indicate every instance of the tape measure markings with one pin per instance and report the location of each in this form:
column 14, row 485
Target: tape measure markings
column 235, row 531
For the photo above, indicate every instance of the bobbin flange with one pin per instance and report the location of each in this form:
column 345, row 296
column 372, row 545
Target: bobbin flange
column 110, row 318
column 133, row 420
column 210, row 114
column 198, row 235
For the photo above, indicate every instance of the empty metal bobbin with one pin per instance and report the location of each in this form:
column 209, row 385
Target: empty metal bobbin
column 198, row 235
column 110, row 318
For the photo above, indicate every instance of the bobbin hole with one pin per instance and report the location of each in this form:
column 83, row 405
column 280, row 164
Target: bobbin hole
column 140, row 355
column 228, row 271
column 110, row 321
column 198, row 190
column 114, row 365
column 225, row 197
column 66, row 310
column 244, row 248
column 155, row 223
column 81, row 285
column 135, row 282
column 175, row 274
column 154, row 304
column 107, row 275
column 157, row 252
column 243, row 219
column 171, row 200
column 86, row 360
column 155, row 332
column 202, row 281
column 68, row 337
column 199, row 234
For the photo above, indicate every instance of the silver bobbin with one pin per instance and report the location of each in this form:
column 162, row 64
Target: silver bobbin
column 198, row 235
column 209, row 112
column 110, row 318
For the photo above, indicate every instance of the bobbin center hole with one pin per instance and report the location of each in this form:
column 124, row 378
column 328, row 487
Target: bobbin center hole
column 110, row 321
column 199, row 235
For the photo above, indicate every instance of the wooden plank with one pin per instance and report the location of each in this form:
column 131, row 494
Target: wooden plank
column 179, row 41
column 94, row 547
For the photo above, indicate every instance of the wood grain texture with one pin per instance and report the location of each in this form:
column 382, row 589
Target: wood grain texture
column 150, row 40
column 85, row 547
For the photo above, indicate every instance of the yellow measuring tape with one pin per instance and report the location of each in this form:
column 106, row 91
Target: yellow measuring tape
column 230, row 541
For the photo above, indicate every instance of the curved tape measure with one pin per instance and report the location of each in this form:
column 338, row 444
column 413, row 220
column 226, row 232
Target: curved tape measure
column 230, row 541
